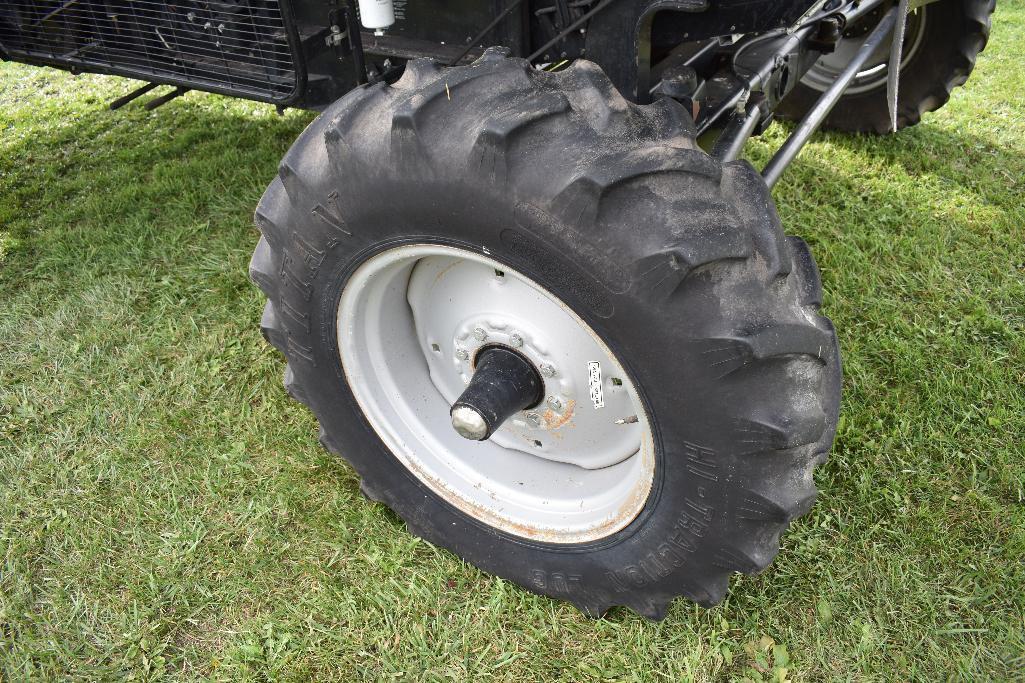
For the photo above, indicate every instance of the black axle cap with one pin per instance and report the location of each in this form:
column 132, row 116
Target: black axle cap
column 504, row 382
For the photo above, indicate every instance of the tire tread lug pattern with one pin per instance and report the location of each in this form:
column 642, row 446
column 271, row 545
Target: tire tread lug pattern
column 758, row 508
column 748, row 561
column 294, row 389
column 271, row 328
column 325, row 441
column 760, row 435
column 356, row 105
column 578, row 202
column 662, row 273
column 811, row 281
column 593, row 95
column 670, row 121
column 781, row 504
column 488, row 155
column 418, row 72
column 261, row 269
column 291, row 181
column 727, row 355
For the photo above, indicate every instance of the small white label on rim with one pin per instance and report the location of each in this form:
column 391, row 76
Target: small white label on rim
column 594, row 381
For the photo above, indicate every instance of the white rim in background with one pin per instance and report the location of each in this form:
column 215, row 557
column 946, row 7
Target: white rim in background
column 825, row 71
column 576, row 468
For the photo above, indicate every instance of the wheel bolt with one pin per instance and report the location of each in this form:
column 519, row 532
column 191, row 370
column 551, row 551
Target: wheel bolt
column 515, row 341
column 533, row 418
column 480, row 333
column 462, row 354
column 547, row 370
column 554, row 403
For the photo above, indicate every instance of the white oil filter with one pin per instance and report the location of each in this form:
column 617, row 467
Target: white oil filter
column 376, row 14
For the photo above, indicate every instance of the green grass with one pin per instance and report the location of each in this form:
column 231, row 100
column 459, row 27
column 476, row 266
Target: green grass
column 166, row 511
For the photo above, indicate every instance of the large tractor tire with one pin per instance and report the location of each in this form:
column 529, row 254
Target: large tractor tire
column 690, row 385
column 941, row 43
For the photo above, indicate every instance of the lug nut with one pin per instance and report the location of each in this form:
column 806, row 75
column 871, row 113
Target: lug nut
column 534, row 419
column 515, row 341
column 480, row 333
column 554, row 403
column 547, row 370
column 462, row 354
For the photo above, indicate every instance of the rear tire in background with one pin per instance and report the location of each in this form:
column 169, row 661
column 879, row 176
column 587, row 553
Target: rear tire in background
column 607, row 219
column 942, row 42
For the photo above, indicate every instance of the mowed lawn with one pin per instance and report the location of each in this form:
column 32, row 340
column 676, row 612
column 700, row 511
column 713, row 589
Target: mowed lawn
column 167, row 512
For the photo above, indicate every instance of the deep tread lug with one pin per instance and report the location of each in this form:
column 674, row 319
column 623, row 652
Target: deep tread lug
column 489, row 150
column 670, row 121
column 779, row 433
column 661, row 274
column 271, row 328
column 810, row 281
column 406, row 152
column 352, row 106
column 261, row 268
column 293, row 388
column 743, row 560
column 417, row 73
column 592, row 93
column 781, row 503
column 493, row 54
column 291, row 181
column 578, row 202
column 325, row 441
column 726, row 355
column 758, row 508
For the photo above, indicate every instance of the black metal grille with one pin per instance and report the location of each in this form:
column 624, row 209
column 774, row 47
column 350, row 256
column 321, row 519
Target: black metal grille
column 237, row 46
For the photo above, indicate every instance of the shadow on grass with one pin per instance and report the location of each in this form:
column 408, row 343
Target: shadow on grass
column 215, row 161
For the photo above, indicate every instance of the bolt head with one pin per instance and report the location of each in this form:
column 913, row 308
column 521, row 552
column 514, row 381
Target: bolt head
column 547, row 370
column 515, row 341
column 533, row 418
column 554, row 403
column 462, row 354
column 480, row 333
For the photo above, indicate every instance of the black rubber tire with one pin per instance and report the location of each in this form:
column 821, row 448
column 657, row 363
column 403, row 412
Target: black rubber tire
column 679, row 263
column 956, row 31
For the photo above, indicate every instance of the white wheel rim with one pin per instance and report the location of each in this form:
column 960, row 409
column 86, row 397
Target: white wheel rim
column 825, row 71
column 409, row 321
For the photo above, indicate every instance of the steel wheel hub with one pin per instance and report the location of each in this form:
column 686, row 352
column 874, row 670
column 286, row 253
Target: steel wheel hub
column 413, row 323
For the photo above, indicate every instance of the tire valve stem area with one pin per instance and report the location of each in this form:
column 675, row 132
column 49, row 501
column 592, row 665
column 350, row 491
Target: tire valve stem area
column 503, row 384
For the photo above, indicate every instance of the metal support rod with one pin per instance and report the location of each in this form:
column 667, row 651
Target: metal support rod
column 736, row 134
column 50, row 15
column 352, row 27
column 729, row 103
column 861, row 9
column 164, row 99
column 138, row 92
column 569, row 29
column 712, row 46
column 485, row 31
column 818, row 113
column 792, row 38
